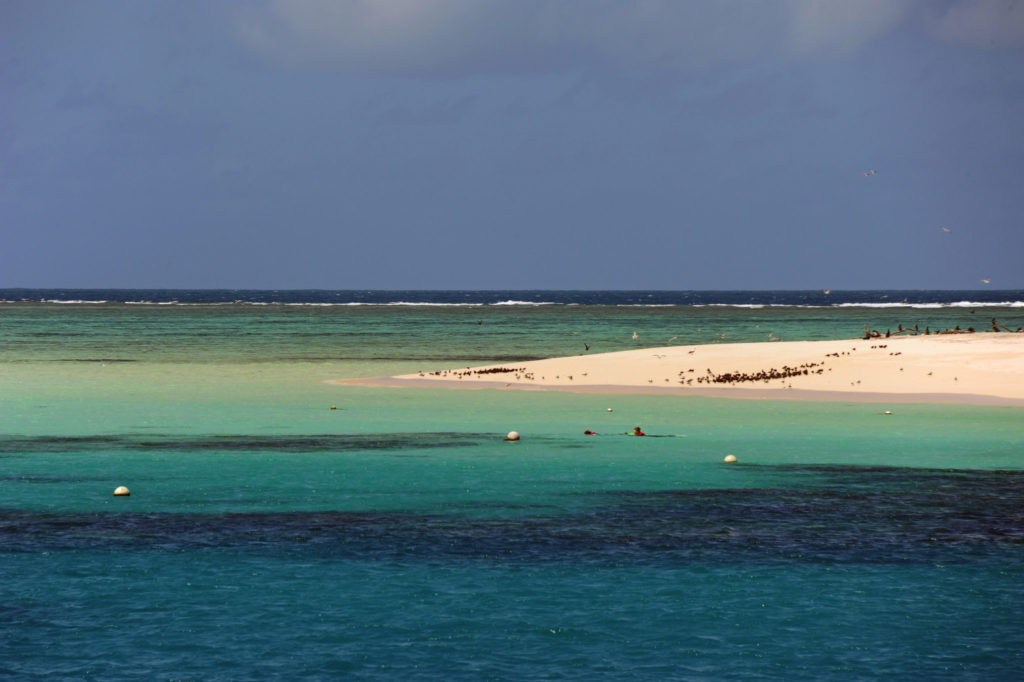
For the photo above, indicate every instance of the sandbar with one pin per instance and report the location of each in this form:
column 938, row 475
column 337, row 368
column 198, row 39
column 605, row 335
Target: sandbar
column 974, row 368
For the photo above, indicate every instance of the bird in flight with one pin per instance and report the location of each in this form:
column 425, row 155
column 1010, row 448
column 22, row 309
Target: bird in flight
column 869, row 172
column 946, row 229
column 986, row 281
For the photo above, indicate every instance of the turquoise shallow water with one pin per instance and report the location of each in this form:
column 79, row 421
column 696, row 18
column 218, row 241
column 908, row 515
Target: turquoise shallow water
column 268, row 536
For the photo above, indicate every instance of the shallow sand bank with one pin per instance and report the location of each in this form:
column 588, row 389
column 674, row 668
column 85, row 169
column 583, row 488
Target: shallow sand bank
column 982, row 368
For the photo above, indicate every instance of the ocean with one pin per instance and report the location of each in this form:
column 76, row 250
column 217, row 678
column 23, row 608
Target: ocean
column 398, row 535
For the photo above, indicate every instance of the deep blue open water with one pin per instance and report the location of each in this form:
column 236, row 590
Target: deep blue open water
column 399, row 536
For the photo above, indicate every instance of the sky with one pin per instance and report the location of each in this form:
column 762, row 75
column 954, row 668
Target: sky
column 512, row 144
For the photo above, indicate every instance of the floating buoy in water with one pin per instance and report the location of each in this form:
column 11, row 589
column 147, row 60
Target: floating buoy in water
column 512, row 435
column 334, row 407
column 887, row 412
column 729, row 459
column 121, row 491
column 608, row 410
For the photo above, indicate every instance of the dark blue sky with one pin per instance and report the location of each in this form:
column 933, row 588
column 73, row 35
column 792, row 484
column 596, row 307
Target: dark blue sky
column 573, row 144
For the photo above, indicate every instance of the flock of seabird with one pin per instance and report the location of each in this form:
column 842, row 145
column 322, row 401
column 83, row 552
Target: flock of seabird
column 765, row 375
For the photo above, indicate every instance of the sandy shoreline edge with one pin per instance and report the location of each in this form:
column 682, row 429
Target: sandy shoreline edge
column 978, row 368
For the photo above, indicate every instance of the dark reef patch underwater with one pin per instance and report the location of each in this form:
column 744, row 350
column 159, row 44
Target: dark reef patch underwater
column 872, row 515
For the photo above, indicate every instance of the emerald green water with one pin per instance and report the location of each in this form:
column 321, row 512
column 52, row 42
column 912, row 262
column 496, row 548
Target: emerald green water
column 399, row 535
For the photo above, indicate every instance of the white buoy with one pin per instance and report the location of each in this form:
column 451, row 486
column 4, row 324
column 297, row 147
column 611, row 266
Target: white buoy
column 608, row 410
column 887, row 412
column 729, row 459
column 122, row 491
column 512, row 435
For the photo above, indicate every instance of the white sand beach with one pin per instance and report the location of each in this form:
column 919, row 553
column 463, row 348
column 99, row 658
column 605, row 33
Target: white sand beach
column 983, row 368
